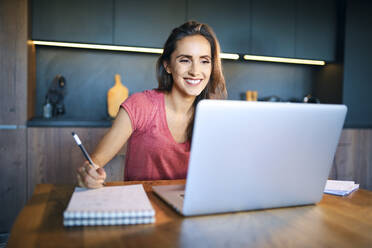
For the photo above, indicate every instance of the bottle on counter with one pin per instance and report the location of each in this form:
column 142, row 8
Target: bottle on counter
column 251, row 95
column 116, row 96
column 47, row 109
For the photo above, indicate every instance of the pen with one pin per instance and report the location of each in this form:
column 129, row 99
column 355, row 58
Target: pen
column 78, row 142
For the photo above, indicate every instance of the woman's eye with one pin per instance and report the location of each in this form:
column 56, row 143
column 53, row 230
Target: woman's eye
column 184, row 60
column 206, row 62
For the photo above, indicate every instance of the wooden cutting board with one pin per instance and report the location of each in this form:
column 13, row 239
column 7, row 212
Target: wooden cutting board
column 116, row 96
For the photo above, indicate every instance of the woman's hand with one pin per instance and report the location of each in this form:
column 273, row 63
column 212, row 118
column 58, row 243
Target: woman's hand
column 89, row 177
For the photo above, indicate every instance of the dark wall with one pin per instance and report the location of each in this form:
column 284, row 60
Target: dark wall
column 90, row 73
column 286, row 81
column 328, row 83
column 357, row 68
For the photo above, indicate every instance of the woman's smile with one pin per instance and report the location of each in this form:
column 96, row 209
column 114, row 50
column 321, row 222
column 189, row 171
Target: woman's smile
column 193, row 82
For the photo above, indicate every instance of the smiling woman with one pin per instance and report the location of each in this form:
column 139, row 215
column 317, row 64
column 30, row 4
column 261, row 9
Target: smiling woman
column 158, row 124
column 192, row 46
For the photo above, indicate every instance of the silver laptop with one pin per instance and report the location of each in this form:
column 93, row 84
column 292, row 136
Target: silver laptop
column 256, row 155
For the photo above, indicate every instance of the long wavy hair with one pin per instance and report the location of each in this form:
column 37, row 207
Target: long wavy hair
column 216, row 88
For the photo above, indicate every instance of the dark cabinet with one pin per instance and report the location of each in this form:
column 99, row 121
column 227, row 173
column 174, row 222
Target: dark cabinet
column 230, row 21
column 273, row 28
column 74, row 21
column 288, row 28
column 316, row 28
column 357, row 85
column 147, row 23
column 294, row 28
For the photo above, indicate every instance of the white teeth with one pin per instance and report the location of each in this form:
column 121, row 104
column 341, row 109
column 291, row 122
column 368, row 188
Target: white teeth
column 190, row 81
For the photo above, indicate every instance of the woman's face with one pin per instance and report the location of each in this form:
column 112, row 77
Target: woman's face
column 190, row 65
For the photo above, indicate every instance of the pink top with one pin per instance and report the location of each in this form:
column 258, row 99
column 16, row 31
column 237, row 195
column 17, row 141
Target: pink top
column 152, row 152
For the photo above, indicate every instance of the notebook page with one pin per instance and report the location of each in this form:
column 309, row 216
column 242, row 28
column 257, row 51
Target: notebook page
column 339, row 185
column 122, row 199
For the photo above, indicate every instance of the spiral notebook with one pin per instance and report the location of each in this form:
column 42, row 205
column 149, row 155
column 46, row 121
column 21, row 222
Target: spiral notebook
column 115, row 205
column 339, row 187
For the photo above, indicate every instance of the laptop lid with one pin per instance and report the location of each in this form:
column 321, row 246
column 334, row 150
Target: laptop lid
column 255, row 155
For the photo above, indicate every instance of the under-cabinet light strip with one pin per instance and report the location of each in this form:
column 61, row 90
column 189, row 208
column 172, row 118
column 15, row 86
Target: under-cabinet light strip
column 118, row 48
column 284, row 60
column 232, row 56
column 99, row 47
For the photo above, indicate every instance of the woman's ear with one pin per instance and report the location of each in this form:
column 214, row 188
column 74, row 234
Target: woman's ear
column 166, row 67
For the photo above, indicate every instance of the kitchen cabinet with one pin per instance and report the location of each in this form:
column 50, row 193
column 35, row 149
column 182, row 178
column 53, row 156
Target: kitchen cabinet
column 273, row 28
column 88, row 21
column 53, row 155
column 316, row 29
column 288, row 28
column 357, row 85
column 147, row 23
column 294, row 28
column 230, row 21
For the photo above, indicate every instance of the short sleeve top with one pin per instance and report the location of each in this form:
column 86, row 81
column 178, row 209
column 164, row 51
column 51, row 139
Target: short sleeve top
column 152, row 152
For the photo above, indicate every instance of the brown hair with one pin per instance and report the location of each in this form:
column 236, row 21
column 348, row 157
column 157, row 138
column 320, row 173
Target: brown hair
column 215, row 88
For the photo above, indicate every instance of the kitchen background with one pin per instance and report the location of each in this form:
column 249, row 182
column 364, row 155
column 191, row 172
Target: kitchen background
column 34, row 150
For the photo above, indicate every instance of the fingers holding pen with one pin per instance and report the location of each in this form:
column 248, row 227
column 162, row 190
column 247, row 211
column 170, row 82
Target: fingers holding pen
column 87, row 181
column 96, row 172
column 88, row 177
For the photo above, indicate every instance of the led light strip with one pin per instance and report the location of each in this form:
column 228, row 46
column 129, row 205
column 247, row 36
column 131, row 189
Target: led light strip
column 118, row 48
column 284, row 60
column 232, row 56
column 99, row 47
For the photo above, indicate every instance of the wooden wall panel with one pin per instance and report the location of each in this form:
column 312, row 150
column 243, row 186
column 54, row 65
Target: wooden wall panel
column 7, row 62
column 353, row 159
column 13, row 105
column 31, row 81
column 13, row 62
column 13, row 175
column 53, row 155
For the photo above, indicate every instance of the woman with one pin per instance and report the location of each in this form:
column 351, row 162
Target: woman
column 158, row 123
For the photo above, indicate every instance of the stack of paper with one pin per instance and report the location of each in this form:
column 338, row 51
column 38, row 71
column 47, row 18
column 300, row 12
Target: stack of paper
column 115, row 205
column 341, row 188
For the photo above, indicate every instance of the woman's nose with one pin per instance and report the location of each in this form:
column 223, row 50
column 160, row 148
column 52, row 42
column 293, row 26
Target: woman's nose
column 194, row 69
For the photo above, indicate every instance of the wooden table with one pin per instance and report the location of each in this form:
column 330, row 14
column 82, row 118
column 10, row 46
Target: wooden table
column 334, row 222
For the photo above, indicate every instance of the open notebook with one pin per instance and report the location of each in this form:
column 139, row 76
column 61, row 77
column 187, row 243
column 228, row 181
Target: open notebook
column 115, row 205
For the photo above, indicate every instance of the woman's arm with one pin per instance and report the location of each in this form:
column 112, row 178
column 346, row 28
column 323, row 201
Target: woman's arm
column 113, row 140
column 106, row 149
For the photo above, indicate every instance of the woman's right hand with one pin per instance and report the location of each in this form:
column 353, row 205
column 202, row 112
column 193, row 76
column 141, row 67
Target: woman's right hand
column 89, row 177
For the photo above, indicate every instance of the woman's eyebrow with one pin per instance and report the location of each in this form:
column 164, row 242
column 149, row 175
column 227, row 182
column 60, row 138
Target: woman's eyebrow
column 206, row 56
column 189, row 56
column 184, row 55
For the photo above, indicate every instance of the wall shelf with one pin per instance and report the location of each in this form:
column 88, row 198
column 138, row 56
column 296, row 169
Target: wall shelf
column 67, row 122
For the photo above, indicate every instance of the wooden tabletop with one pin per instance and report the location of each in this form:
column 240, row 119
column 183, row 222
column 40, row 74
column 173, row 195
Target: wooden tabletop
column 334, row 222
